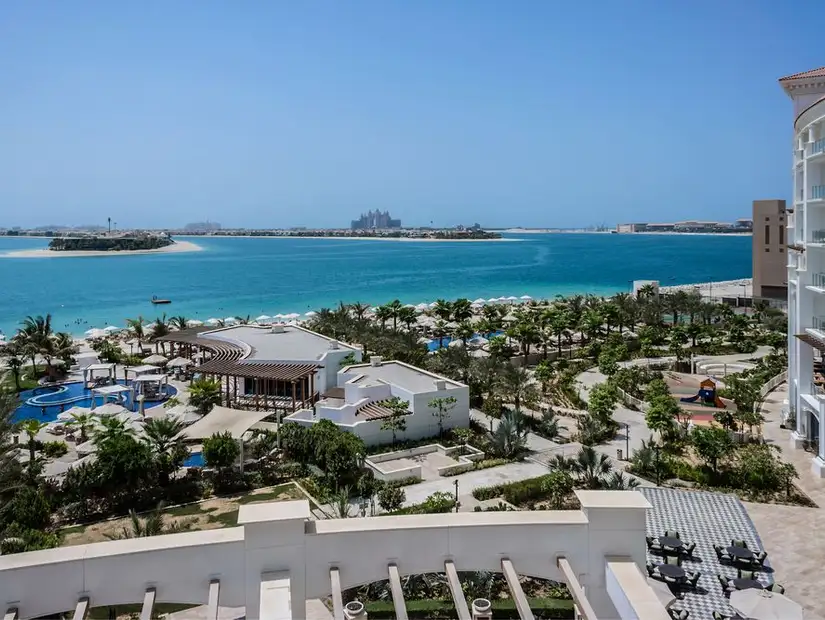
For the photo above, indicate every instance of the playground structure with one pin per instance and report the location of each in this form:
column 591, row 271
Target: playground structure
column 706, row 396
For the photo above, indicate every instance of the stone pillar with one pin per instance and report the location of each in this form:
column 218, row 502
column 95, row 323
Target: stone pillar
column 140, row 400
column 274, row 543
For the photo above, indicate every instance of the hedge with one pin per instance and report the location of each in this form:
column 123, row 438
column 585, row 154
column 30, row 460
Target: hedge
column 515, row 493
column 504, row 609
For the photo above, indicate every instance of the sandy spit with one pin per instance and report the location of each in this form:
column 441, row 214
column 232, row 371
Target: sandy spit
column 178, row 246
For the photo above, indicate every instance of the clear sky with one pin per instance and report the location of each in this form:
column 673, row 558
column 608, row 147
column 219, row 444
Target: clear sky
column 282, row 113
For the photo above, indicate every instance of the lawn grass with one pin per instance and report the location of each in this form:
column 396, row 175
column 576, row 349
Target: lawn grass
column 226, row 519
column 272, row 494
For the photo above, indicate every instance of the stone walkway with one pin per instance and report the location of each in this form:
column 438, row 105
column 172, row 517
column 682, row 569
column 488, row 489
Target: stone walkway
column 791, row 534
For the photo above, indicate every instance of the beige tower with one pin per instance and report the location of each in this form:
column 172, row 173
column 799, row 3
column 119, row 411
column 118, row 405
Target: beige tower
column 770, row 265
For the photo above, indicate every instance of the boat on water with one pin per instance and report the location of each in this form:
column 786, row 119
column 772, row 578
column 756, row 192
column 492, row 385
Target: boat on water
column 156, row 300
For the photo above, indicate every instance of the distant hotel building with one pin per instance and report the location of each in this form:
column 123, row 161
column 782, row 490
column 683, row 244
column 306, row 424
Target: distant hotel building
column 375, row 219
column 739, row 226
column 770, row 269
column 806, row 263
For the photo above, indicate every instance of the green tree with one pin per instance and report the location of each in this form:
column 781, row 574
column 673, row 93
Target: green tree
column 164, row 438
column 442, row 407
column 150, row 525
column 396, row 422
column 602, row 401
column 391, row 498
column 558, row 485
column 204, row 393
column 712, row 444
column 32, row 427
column 544, row 373
column 517, row 385
column 83, row 422
column 591, row 467
column 661, row 414
column 220, row 451
column 509, row 439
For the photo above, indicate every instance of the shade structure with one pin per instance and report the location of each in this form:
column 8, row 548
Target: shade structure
column 525, row 298
column 455, row 344
column 69, row 415
column 222, row 419
column 492, row 300
column 512, row 298
column 95, row 333
column 292, row 315
column 424, row 340
column 421, row 307
column 109, row 409
column 230, row 320
column 212, row 321
column 155, row 359
column 477, row 341
column 765, row 605
column 178, row 362
column 662, row 591
column 480, row 301
column 311, row 313
column 111, row 329
column 262, row 318
column 194, row 323
column 184, row 414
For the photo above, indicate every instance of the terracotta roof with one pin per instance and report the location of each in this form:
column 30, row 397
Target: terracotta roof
column 281, row 372
column 805, row 74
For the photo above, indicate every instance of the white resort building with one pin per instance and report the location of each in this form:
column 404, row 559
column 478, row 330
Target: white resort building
column 806, row 263
column 358, row 404
column 277, row 558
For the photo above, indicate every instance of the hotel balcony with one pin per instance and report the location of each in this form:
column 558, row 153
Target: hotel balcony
column 817, row 148
column 817, row 193
column 817, row 284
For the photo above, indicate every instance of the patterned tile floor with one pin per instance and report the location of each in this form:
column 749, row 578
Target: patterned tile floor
column 706, row 519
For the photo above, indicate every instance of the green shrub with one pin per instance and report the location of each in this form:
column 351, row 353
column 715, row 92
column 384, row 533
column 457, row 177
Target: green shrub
column 54, row 449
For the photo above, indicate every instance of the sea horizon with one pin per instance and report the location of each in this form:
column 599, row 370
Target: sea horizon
column 240, row 276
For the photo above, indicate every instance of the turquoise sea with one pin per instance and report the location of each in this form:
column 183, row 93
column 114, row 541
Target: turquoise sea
column 240, row 276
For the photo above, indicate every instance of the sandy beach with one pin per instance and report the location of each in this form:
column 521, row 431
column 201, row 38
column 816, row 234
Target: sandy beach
column 410, row 239
column 177, row 246
column 725, row 288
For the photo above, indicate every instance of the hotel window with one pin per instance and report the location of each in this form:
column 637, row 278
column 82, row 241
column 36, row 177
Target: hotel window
column 767, row 233
column 781, row 235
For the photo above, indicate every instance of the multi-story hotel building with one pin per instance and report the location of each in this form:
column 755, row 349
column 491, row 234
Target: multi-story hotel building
column 806, row 262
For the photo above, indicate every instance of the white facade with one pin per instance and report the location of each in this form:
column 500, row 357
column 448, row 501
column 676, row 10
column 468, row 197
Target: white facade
column 806, row 260
column 370, row 384
column 277, row 558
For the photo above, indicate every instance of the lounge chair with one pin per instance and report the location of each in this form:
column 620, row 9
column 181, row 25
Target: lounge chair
column 693, row 578
column 651, row 569
column 727, row 586
column 738, row 543
column 679, row 614
column 718, row 616
column 722, row 555
column 747, row 574
column 775, row 587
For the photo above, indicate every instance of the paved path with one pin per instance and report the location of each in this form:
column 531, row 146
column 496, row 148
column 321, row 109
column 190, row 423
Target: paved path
column 792, row 534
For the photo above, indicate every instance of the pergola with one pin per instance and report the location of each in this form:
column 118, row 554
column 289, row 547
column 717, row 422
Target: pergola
column 145, row 369
column 267, row 385
column 90, row 371
column 140, row 383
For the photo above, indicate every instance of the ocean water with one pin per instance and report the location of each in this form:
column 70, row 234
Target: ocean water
column 253, row 276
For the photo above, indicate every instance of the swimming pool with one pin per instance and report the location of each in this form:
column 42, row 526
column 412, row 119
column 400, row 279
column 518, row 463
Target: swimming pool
column 433, row 344
column 194, row 460
column 46, row 402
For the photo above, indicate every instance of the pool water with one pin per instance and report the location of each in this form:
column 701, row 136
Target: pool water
column 433, row 344
column 194, row 460
column 45, row 403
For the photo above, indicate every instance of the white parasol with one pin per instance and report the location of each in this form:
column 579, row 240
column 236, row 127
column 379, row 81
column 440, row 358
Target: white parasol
column 765, row 605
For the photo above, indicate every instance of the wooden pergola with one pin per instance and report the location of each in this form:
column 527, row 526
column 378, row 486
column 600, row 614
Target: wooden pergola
column 273, row 385
column 187, row 342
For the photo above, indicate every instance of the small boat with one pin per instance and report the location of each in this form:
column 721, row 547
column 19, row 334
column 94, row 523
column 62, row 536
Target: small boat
column 156, row 300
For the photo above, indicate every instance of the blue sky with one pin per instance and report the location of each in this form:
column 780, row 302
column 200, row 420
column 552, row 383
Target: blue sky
column 264, row 114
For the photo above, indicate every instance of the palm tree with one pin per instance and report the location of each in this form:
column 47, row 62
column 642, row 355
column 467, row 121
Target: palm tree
column 83, row 422
column 383, row 314
column 440, row 332
column 160, row 329
column 64, row 348
column 359, row 310
column 544, row 373
column 32, row 427
column 111, row 428
column 340, row 507
column 36, row 336
column 136, row 327
column 179, row 322
column 619, row 481
column 462, row 310
column 464, row 332
column 517, row 384
column 443, row 309
column 12, row 353
column 204, row 393
column 163, row 435
column 591, row 467
column 510, row 437
column 407, row 316
column 395, row 307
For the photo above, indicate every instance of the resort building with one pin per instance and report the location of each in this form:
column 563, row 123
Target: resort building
column 281, row 367
column 770, row 265
column 375, row 219
column 359, row 402
column 806, row 262
column 277, row 558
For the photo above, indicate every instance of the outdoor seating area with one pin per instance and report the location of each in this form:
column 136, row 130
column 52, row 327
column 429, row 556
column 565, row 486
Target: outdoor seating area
column 705, row 549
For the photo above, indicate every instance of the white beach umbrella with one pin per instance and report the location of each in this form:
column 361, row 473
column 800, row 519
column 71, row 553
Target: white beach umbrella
column 194, row 323
column 662, row 591
column 111, row 329
column 86, row 448
column 155, row 359
column 184, row 413
column 212, row 321
column 765, row 605
column 451, row 325
column 492, row 300
column 263, row 318
column 510, row 317
column 95, row 333
column 230, row 320
column 292, row 316
column 279, row 316
column 409, row 306
column 480, row 301
column 456, row 344
column 478, row 341
column 526, row 298
column 424, row 340
column 178, row 362
column 109, row 409
column 511, row 298
column 311, row 313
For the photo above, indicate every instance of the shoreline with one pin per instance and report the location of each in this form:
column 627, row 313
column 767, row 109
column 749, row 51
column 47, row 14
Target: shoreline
column 722, row 288
column 408, row 239
column 175, row 248
column 549, row 231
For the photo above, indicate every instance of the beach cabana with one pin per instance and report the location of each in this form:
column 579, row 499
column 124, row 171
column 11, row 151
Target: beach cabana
column 151, row 386
column 512, row 298
column 230, row 320
column 145, row 369
column 155, row 359
column 263, row 318
column 212, row 321
column 526, row 298
column 194, row 323
column 98, row 374
column 310, row 314
column 178, row 362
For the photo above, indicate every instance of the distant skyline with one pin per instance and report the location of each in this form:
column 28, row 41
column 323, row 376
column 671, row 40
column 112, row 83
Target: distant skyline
column 268, row 114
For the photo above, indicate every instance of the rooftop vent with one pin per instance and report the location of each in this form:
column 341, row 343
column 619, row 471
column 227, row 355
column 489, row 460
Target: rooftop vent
column 277, row 329
column 440, row 384
column 333, row 344
column 376, row 360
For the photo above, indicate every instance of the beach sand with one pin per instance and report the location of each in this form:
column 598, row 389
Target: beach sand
column 726, row 288
column 408, row 239
column 177, row 246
